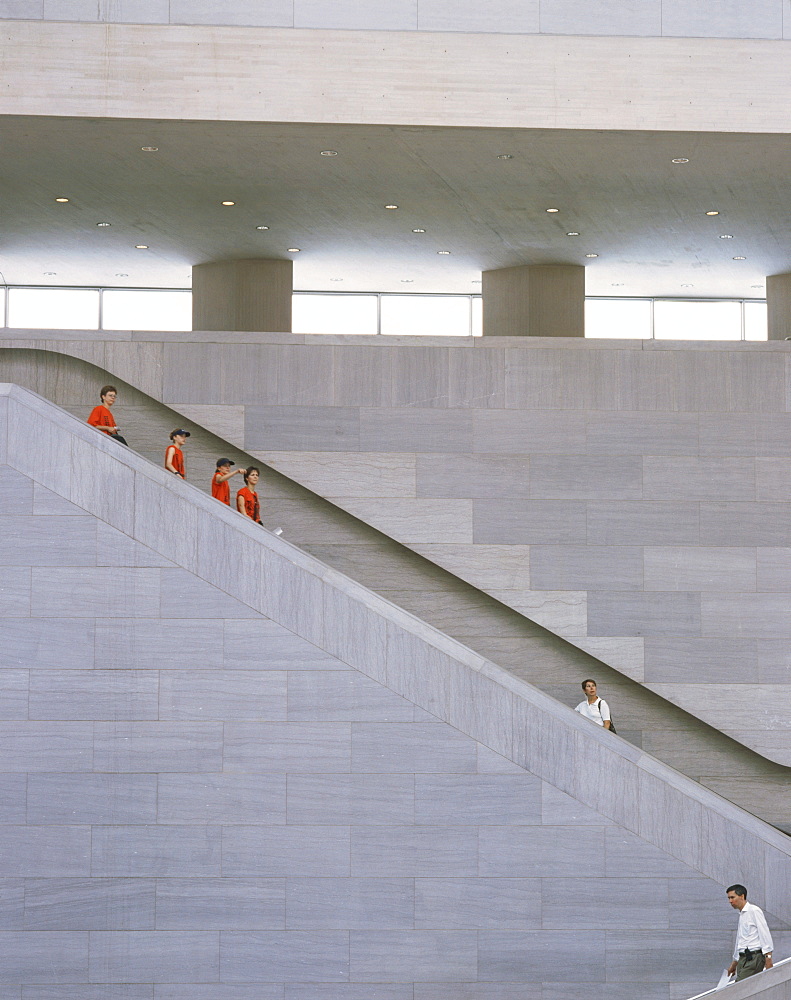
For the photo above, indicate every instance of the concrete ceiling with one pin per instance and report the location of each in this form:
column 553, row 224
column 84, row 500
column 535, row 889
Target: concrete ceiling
column 643, row 215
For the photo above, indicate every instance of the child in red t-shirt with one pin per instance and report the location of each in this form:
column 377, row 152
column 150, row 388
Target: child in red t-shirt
column 247, row 498
column 174, row 456
column 220, row 485
column 101, row 418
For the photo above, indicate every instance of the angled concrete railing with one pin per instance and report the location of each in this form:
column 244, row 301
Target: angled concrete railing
column 393, row 647
column 773, row 984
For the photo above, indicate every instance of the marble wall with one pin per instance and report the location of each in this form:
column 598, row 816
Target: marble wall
column 229, row 771
column 675, row 18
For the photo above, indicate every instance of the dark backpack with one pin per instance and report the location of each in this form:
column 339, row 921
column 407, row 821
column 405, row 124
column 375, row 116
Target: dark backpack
column 612, row 724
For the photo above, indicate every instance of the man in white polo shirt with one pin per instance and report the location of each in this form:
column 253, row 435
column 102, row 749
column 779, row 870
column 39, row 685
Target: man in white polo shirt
column 753, row 951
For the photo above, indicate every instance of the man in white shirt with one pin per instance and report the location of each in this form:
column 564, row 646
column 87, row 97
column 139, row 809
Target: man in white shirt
column 594, row 708
column 753, row 951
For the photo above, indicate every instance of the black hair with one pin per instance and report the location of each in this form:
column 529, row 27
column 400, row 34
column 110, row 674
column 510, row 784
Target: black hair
column 252, row 468
column 588, row 680
column 738, row 889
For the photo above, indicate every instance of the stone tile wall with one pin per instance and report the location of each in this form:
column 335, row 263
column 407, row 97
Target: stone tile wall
column 310, row 793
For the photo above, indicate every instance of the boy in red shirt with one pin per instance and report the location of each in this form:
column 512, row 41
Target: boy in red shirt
column 102, row 418
column 247, row 498
column 174, row 456
column 220, row 486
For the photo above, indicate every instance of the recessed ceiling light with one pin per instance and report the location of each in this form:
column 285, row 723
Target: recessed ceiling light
column 504, row 156
column 726, row 236
column 712, row 213
column 391, row 206
column 62, row 200
column 261, row 228
column 756, row 286
column 149, row 149
column 336, row 279
column 328, row 152
column 141, row 246
column 687, row 286
column 418, row 230
column 617, row 284
column 680, row 159
column 50, row 274
column 572, row 234
column 553, row 210
column 294, row 250
column 103, row 225
column 407, row 281
column 229, row 203
column 444, row 253
column 740, row 258
column 122, row 275
column 591, row 255
column 476, row 281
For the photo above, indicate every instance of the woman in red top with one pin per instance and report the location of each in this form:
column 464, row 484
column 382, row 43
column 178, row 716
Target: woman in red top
column 102, row 418
column 174, row 456
column 220, row 485
column 247, row 498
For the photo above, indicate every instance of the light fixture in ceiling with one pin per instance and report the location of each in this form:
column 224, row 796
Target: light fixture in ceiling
column 50, row 274
column 476, row 281
column 104, row 225
column 726, row 236
column 407, row 281
column 294, row 250
column 122, row 275
column 336, row 279
column 149, row 149
column 391, row 206
column 61, row 201
column 229, row 203
column 687, row 286
column 328, row 152
column 572, row 233
column 505, row 156
column 591, row 255
column 553, row 210
column 756, row 286
column 617, row 284
column 680, row 159
column 444, row 253
column 740, row 258
column 261, row 228
column 141, row 246
column 418, row 230
column 712, row 212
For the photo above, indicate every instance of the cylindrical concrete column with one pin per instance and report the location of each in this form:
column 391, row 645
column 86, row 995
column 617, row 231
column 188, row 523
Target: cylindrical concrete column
column 538, row 300
column 250, row 295
column 778, row 303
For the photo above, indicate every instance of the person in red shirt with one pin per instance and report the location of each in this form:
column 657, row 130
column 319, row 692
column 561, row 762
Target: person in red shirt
column 247, row 498
column 220, row 485
column 102, row 418
column 174, row 456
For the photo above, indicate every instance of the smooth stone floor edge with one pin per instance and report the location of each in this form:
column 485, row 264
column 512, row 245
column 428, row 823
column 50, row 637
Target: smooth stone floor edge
column 416, row 661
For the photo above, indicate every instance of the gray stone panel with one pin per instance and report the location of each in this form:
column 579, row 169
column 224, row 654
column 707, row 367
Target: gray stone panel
column 47, row 642
column 45, row 851
column 586, row 477
column 16, row 492
column 260, row 644
column 419, row 955
column 476, row 379
column 649, row 949
column 158, row 746
column 135, row 11
column 14, row 694
column 774, row 570
column 481, row 903
column 220, row 903
column 414, row 851
column 184, row 595
column 47, row 746
column 654, row 433
column 766, row 616
column 269, row 13
column 143, row 956
column 631, row 902
column 84, row 991
column 363, row 376
column 419, row 374
column 745, row 524
column 772, row 477
column 70, row 10
column 222, row 695
column 285, row 850
column 698, row 478
column 50, row 541
column 702, row 661
column 76, row 592
column 15, row 599
column 763, row 19
column 351, row 799
column 586, row 567
column 218, row 991
column 506, row 16
column 520, row 432
column 13, row 797
column 308, row 428
column 500, row 799
column 707, row 568
column 93, row 694
column 286, row 747
column 45, row 502
column 560, row 809
column 352, row 991
column 628, row 856
column 284, row 956
column 22, row 9
column 345, row 14
column 746, row 434
column 541, row 956
column 415, row 430
column 660, row 614
column 127, row 643
column 156, row 850
column 644, row 523
column 44, row 956
column 89, row 904
column 353, row 903
column 91, row 798
column 529, row 522
column 12, row 905
column 476, row 476
column 537, row 851
column 343, row 697
column 221, row 798
column 415, row 748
